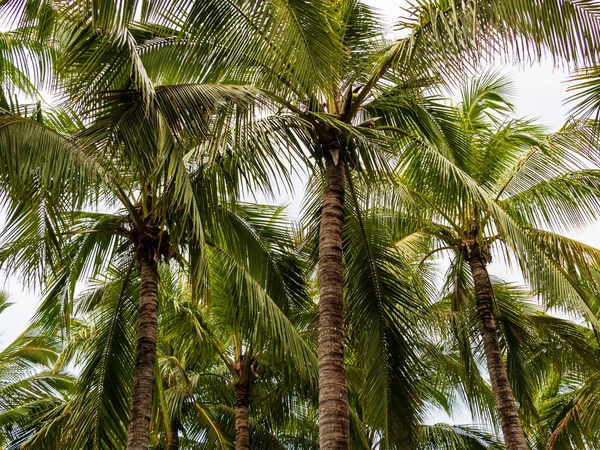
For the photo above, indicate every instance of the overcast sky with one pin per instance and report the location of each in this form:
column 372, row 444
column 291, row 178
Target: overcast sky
column 540, row 93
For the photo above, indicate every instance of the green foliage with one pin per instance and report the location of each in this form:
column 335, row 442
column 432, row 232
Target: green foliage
column 170, row 112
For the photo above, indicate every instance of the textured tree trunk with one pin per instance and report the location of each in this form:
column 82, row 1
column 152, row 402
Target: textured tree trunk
column 333, row 396
column 173, row 438
column 242, row 420
column 243, row 384
column 514, row 437
column 145, row 354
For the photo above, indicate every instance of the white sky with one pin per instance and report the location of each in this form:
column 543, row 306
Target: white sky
column 541, row 92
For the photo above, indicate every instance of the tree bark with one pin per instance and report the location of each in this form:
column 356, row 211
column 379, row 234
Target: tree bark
column 143, row 376
column 514, row 437
column 333, row 395
column 243, row 385
column 173, row 438
column 242, row 420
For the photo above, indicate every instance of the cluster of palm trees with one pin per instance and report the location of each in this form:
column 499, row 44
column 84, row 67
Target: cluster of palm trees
column 178, row 314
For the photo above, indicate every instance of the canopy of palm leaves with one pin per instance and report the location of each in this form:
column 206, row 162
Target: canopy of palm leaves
column 166, row 114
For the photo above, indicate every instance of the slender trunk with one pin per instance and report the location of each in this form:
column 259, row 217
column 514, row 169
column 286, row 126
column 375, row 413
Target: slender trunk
column 173, row 438
column 242, row 420
column 514, row 437
column 243, row 384
column 333, row 396
column 145, row 354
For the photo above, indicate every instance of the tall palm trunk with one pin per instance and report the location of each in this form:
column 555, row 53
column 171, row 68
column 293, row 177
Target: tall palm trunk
column 242, row 386
column 173, row 438
column 145, row 354
column 242, row 420
column 333, row 395
column 514, row 437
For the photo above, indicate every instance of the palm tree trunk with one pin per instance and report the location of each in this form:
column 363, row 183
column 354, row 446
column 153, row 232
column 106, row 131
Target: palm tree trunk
column 173, row 438
column 244, row 376
column 514, row 437
column 145, row 354
column 242, row 420
column 333, row 395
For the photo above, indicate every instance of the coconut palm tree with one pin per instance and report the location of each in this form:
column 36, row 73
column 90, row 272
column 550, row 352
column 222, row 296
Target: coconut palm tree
column 132, row 164
column 385, row 295
column 548, row 360
column 115, row 46
column 497, row 184
column 258, row 301
column 253, row 296
column 125, row 128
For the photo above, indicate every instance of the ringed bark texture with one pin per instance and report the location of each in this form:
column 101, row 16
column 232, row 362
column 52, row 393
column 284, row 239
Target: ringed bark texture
column 242, row 386
column 333, row 395
column 242, row 420
column 143, row 376
column 514, row 438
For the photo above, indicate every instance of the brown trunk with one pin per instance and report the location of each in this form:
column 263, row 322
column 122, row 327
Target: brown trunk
column 242, row 420
column 333, row 395
column 242, row 386
column 145, row 354
column 173, row 438
column 514, row 437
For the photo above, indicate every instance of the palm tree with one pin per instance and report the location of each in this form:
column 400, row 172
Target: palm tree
column 128, row 157
column 548, row 361
column 492, row 182
column 156, row 167
column 143, row 182
column 256, row 295
column 252, row 299
column 385, row 294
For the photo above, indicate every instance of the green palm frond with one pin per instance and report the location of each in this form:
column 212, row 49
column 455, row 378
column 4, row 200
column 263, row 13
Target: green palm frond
column 565, row 200
column 31, row 387
column 585, row 88
column 383, row 295
column 48, row 158
column 25, row 66
column 448, row 437
column 95, row 416
column 527, row 30
column 490, row 93
column 256, row 292
column 526, row 370
column 291, row 38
